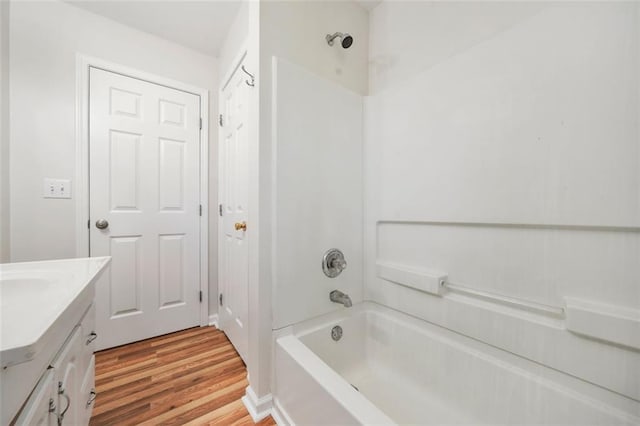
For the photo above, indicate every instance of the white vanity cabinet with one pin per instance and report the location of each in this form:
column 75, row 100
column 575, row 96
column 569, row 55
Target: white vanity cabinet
column 40, row 409
column 65, row 393
column 68, row 378
column 88, row 394
column 47, row 333
column 87, row 386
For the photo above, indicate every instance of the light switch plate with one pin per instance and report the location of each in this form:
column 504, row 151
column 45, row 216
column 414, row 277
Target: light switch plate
column 56, row 188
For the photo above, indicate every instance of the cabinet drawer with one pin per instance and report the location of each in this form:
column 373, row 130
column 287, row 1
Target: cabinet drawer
column 88, row 392
column 67, row 379
column 88, row 330
column 40, row 408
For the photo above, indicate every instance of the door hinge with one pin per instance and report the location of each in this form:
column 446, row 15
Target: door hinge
column 220, row 209
column 220, row 120
column 200, row 296
column 220, row 298
column 200, row 123
column 89, row 224
column 200, row 209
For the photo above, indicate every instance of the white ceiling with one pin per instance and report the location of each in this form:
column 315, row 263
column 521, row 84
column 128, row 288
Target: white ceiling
column 199, row 25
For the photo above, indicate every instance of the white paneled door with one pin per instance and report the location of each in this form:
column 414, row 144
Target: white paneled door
column 233, row 250
column 144, row 144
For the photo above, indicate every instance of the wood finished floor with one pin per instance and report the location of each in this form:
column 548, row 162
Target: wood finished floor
column 192, row 377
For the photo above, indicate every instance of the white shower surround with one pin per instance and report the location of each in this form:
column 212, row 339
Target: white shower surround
column 384, row 353
column 317, row 134
column 493, row 109
column 501, row 149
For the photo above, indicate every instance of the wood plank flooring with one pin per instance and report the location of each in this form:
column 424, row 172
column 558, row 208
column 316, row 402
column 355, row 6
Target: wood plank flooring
column 192, row 377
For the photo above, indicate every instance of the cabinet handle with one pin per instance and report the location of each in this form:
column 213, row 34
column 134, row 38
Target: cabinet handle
column 62, row 392
column 92, row 336
column 92, row 397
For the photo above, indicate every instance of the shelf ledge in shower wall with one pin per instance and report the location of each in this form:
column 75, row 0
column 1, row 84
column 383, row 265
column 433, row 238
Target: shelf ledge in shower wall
column 436, row 283
column 604, row 322
column 424, row 280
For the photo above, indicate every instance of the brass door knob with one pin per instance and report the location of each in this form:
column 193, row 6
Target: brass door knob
column 240, row 226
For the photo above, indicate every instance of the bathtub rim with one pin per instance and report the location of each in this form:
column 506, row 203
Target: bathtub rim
column 356, row 404
column 617, row 405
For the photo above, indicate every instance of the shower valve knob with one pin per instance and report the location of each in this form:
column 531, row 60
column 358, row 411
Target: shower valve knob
column 339, row 264
column 333, row 263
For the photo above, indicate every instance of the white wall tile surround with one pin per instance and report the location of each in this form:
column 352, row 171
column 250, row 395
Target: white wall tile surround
column 318, row 187
column 501, row 149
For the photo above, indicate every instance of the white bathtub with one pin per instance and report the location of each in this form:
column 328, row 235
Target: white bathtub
column 408, row 371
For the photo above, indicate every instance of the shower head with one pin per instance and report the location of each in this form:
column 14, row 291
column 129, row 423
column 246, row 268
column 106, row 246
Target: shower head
column 347, row 40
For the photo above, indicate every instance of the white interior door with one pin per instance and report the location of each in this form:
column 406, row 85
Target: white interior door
column 233, row 251
column 144, row 144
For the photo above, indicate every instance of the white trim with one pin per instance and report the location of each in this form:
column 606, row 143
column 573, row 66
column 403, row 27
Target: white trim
column 258, row 408
column 219, row 222
column 204, row 202
column 213, row 320
column 220, row 243
column 237, row 60
column 81, row 187
column 279, row 414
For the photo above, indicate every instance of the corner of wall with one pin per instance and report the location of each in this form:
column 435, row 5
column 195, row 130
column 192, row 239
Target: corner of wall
column 4, row 133
column 236, row 38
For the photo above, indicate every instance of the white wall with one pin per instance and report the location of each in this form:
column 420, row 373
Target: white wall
column 4, row 132
column 45, row 37
column 318, row 192
column 234, row 42
column 294, row 31
column 503, row 148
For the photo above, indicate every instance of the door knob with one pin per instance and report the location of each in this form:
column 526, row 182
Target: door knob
column 102, row 224
column 240, row 226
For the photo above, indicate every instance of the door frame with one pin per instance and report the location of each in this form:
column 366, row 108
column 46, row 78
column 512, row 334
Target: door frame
column 228, row 74
column 81, row 184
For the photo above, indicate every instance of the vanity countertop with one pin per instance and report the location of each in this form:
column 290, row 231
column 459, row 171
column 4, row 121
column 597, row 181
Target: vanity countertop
column 34, row 297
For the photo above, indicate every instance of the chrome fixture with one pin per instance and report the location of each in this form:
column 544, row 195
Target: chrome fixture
column 337, row 296
column 336, row 333
column 102, row 224
column 333, row 263
column 347, row 40
column 63, row 393
column 92, row 398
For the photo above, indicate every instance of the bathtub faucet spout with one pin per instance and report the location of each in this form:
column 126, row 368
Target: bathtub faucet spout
column 337, row 296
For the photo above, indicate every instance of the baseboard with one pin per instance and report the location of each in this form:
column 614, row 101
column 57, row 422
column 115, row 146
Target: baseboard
column 280, row 415
column 258, row 408
column 213, row 320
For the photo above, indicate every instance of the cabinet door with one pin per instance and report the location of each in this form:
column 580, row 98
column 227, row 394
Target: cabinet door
column 40, row 408
column 68, row 377
column 88, row 329
column 88, row 393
